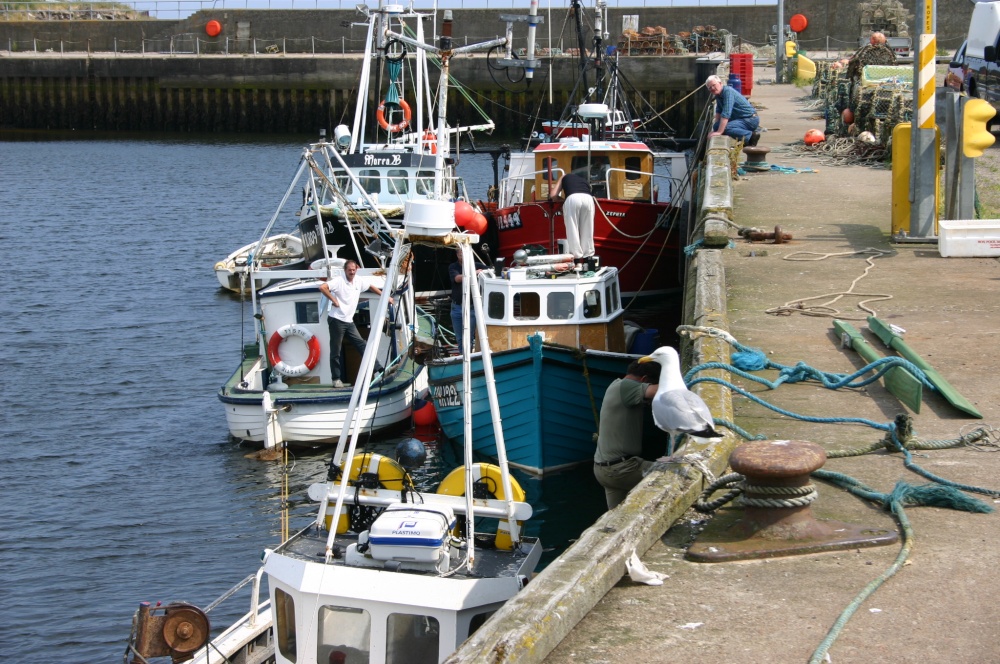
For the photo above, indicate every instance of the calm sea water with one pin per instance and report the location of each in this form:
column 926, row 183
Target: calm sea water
column 118, row 481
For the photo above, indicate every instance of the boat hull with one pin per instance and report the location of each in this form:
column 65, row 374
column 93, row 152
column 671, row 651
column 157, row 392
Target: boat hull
column 314, row 414
column 549, row 400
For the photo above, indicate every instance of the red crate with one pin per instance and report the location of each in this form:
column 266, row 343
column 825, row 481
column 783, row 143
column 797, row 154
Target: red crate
column 741, row 64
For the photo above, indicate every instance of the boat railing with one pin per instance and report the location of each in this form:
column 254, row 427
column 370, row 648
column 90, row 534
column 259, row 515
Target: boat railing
column 514, row 188
column 632, row 185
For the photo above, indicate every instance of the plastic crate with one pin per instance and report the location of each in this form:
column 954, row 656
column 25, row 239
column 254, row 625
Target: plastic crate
column 969, row 237
column 741, row 64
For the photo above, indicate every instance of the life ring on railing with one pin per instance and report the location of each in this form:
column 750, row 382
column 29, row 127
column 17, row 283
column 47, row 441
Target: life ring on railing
column 372, row 471
column 487, row 482
column 399, row 126
column 279, row 364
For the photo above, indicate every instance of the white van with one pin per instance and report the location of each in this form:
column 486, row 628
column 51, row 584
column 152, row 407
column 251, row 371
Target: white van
column 982, row 72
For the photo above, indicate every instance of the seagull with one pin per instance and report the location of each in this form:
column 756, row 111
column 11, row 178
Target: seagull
column 676, row 409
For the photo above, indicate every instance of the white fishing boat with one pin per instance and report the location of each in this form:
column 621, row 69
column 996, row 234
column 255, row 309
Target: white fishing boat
column 398, row 147
column 384, row 573
column 282, row 250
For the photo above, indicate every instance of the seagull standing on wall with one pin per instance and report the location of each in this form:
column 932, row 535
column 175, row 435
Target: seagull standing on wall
column 676, row 409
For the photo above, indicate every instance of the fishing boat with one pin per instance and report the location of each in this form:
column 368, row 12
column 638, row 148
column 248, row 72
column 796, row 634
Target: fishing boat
column 640, row 190
column 398, row 148
column 384, row 573
column 284, row 249
column 558, row 338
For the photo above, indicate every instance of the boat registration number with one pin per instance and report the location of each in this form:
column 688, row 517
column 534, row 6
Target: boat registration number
column 508, row 221
column 446, row 396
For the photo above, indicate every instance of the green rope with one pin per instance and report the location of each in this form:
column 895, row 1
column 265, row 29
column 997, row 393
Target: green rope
column 902, row 495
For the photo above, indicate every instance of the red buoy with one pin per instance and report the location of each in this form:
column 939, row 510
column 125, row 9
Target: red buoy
column 213, row 28
column 798, row 23
column 814, row 136
column 848, row 116
column 424, row 414
column 468, row 219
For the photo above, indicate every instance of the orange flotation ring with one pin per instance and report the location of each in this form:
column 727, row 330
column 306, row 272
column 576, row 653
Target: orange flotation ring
column 399, row 126
column 279, row 364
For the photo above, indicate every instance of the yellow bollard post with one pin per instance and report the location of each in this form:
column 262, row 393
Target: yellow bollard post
column 901, row 180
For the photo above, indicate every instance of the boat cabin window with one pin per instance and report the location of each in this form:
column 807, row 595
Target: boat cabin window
column 412, row 639
column 425, row 182
column 495, row 305
column 600, row 165
column 306, row 313
column 398, row 183
column 527, row 306
column 592, row 304
column 477, row 621
column 343, row 629
column 343, row 182
column 550, row 165
column 560, row 306
column 369, row 179
column 633, row 168
column 611, row 295
column 284, row 608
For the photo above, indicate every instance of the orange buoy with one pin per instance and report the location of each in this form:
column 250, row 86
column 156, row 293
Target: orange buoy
column 847, row 116
column 213, row 28
column 424, row 413
column 798, row 23
column 814, row 136
column 467, row 218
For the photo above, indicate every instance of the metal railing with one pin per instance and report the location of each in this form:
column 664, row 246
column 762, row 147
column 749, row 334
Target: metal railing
column 17, row 10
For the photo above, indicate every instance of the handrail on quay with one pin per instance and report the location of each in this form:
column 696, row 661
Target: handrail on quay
column 19, row 10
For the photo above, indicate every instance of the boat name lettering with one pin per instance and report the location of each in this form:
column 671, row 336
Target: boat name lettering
column 372, row 160
column 446, row 395
column 310, row 238
column 507, row 221
column 614, row 214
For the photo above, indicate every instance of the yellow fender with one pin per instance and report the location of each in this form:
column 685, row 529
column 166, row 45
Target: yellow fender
column 489, row 475
column 390, row 476
column 806, row 68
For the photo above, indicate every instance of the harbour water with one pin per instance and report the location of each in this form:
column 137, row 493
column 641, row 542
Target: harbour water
column 118, row 479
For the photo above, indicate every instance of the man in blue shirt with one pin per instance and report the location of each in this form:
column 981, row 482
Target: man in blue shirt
column 734, row 116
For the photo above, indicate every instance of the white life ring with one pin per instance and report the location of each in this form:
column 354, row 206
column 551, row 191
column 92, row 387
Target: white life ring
column 279, row 364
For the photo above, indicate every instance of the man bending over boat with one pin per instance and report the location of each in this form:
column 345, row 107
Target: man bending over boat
column 455, row 273
column 617, row 464
column 578, row 214
column 344, row 293
column 734, row 115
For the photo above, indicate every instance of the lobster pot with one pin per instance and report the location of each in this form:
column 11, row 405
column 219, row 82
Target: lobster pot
column 741, row 64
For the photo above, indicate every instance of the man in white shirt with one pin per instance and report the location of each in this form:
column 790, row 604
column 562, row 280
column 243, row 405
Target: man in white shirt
column 344, row 293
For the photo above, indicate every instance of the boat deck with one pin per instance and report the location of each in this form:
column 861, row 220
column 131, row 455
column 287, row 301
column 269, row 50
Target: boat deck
column 310, row 545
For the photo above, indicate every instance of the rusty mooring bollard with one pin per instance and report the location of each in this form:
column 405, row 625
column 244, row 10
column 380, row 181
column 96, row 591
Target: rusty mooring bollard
column 756, row 158
column 756, row 235
column 774, row 517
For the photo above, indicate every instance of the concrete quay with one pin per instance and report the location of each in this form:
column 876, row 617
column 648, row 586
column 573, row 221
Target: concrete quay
column 584, row 607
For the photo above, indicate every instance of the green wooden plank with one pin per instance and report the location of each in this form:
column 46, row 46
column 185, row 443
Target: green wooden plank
column 884, row 332
column 900, row 382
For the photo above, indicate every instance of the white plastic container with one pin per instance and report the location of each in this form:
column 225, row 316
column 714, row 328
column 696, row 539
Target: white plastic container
column 429, row 217
column 969, row 237
column 408, row 532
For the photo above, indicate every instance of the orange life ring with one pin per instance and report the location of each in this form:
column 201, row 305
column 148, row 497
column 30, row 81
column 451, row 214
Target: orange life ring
column 430, row 142
column 399, row 126
column 279, row 364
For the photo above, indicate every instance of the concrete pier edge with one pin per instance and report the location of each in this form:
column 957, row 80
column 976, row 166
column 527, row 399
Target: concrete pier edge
column 534, row 622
